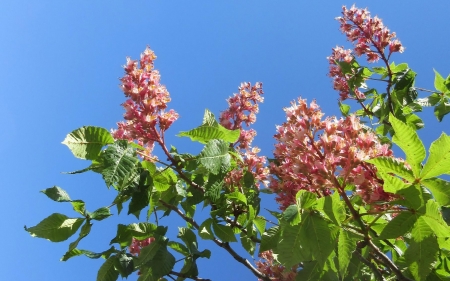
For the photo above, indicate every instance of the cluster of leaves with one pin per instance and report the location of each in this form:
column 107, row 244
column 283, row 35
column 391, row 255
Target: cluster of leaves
column 318, row 237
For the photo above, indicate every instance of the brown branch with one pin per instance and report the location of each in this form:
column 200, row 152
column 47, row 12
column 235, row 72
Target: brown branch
column 387, row 261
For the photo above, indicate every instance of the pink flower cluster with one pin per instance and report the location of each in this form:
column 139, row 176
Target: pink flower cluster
column 137, row 245
column 366, row 32
column 146, row 103
column 242, row 108
column 313, row 153
column 370, row 37
column 274, row 270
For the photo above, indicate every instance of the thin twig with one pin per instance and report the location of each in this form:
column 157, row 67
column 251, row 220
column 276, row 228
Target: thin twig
column 186, row 276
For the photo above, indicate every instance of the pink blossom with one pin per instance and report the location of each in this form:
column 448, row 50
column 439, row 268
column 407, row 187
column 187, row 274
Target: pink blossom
column 312, row 154
column 275, row 271
column 145, row 108
column 137, row 245
column 367, row 32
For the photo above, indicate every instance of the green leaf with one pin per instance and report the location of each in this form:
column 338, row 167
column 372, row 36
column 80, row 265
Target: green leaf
column 100, row 214
column 292, row 215
column 433, row 218
column 225, row 233
column 305, row 199
column 78, row 206
column 345, row 108
column 440, row 190
column 390, row 165
column 319, row 237
column 408, row 140
column 119, row 162
column 77, row 252
column 237, row 196
column 420, row 256
column 210, row 130
column 442, row 109
column 56, row 227
column 124, row 264
column 215, row 156
column 149, row 252
column 346, row 246
column 439, row 82
column 293, row 247
column 392, row 183
column 399, row 225
column 140, row 231
column 107, row 271
column 158, row 267
column 438, row 162
column 139, row 200
column 310, row 272
column 189, row 238
column 260, row 224
column 248, row 244
column 270, row 239
column 332, row 207
column 85, row 230
column 213, row 187
column 57, row 194
column 87, row 142
column 413, row 196
column 205, row 231
column 180, row 248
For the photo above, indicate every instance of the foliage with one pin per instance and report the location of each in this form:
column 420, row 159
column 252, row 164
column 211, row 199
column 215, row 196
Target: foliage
column 349, row 209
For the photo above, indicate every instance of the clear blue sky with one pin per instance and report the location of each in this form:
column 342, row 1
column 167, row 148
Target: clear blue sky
column 61, row 61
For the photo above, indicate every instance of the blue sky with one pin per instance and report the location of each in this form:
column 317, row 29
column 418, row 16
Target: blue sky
column 62, row 60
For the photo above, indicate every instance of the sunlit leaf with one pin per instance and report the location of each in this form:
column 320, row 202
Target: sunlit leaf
column 87, row 142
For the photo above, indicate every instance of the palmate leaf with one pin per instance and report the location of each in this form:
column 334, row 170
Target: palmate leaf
column 56, row 227
column 408, row 140
column 87, row 142
column 438, row 162
column 119, row 162
column 210, row 130
column 215, row 156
